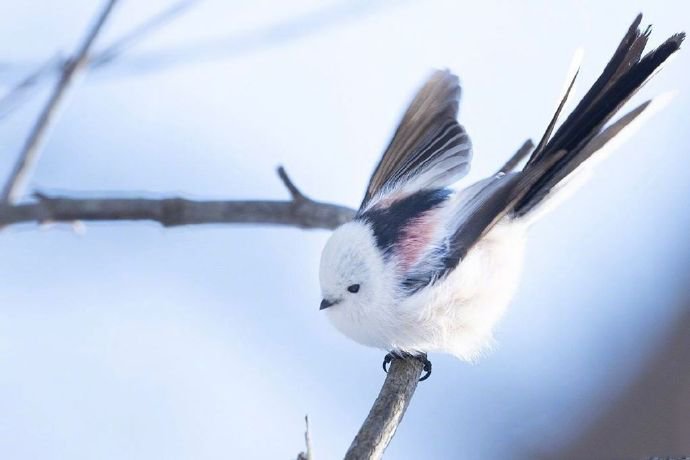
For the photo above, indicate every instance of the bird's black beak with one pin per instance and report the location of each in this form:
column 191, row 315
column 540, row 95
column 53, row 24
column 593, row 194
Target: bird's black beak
column 327, row 303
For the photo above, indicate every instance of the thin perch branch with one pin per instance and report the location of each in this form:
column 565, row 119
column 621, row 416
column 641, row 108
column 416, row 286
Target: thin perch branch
column 388, row 410
column 29, row 153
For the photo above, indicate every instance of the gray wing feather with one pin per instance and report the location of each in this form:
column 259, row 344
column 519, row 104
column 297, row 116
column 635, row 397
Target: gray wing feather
column 429, row 148
column 480, row 213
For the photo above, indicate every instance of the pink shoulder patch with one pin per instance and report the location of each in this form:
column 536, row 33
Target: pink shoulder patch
column 417, row 237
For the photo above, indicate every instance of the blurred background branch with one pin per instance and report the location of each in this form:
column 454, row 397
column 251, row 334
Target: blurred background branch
column 140, row 32
column 90, row 61
column 30, row 151
column 280, row 32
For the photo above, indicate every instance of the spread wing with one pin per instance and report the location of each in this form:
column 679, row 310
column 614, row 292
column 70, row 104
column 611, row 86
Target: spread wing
column 429, row 149
column 406, row 204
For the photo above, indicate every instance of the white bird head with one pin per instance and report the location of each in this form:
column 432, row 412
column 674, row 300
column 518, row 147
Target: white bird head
column 354, row 282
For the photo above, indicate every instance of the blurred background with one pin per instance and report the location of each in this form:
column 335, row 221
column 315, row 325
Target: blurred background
column 133, row 341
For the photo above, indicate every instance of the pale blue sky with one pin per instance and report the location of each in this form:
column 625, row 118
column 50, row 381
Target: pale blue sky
column 133, row 341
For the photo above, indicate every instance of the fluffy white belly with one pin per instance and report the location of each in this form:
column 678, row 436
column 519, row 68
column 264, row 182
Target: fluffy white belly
column 456, row 315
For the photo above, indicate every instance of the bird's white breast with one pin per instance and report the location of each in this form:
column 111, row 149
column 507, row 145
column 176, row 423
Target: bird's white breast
column 457, row 315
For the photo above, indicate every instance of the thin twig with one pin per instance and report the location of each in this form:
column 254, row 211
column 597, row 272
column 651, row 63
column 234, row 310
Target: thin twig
column 327, row 16
column 29, row 153
column 95, row 60
column 13, row 97
column 138, row 33
column 308, row 454
column 517, row 157
column 388, row 410
column 292, row 188
column 307, row 438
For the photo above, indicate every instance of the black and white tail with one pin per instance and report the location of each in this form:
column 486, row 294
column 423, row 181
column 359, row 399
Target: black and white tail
column 585, row 131
column 518, row 194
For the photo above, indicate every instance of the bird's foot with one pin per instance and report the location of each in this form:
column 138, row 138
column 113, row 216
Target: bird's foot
column 401, row 355
column 427, row 367
column 387, row 360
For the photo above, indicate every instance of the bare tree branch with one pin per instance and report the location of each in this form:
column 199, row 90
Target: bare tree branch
column 29, row 153
column 300, row 211
column 95, row 60
column 388, row 410
column 134, row 36
column 171, row 212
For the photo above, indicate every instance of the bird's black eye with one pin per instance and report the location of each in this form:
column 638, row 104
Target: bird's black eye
column 353, row 288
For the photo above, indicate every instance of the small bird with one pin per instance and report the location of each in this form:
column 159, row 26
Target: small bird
column 422, row 268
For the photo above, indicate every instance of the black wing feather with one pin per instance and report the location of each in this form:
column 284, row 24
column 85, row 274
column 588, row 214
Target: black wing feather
column 581, row 135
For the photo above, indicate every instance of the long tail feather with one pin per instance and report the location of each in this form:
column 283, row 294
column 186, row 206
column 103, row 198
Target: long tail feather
column 569, row 84
column 583, row 132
